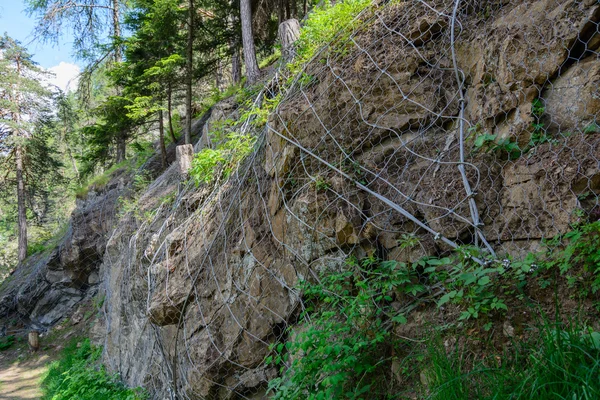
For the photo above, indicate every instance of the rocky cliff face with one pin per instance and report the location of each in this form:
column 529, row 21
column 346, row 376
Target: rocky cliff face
column 363, row 154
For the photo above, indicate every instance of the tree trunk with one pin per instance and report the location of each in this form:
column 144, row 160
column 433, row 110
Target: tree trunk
column 219, row 75
column 121, row 147
column 288, row 13
column 74, row 164
column 294, row 9
column 252, row 70
column 189, row 68
column 234, row 47
column 170, row 113
column 236, row 66
column 22, row 219
column 70, row 154
column 280, row 12
column 161, row 132
column 116, row 29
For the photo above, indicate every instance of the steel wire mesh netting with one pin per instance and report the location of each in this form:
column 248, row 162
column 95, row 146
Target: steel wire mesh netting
column 447, row 123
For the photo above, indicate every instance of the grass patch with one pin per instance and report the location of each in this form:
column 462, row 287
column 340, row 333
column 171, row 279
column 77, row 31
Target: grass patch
column 561, row 361
column 267, row 61
column 99, row 181
column 47, row 240
column 78, row 375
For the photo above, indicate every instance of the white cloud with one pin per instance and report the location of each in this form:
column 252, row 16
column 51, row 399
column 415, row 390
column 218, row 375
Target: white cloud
column 66, row 76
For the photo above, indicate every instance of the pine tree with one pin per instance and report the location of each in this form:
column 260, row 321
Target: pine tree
column 23, row 100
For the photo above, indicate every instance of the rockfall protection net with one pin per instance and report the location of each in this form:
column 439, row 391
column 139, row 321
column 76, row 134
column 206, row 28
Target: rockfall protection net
column 441, row 123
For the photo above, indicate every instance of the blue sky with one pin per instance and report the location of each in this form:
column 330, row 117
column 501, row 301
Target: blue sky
column 55, row 57
column 18, row 25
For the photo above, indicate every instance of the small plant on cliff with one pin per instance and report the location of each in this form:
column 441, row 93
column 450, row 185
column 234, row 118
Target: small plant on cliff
column 211, row 164
column 491, row 144
column 343, row 350
column 321, row 184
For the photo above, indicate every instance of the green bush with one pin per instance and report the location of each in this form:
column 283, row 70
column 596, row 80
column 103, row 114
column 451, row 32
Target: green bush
column 343, row 347
column 210, row 164
column 576, row 254
column 78, row 375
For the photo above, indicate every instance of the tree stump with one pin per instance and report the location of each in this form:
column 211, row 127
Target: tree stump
column 34, row 341
column 185, row 154
column 289, row 32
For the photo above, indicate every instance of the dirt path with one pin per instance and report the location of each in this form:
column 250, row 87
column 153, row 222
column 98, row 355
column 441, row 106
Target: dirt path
column 20, row 380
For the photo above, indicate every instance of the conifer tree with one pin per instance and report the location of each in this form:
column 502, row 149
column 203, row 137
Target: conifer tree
column 23, row 100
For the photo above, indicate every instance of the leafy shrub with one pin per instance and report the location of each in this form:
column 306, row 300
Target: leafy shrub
column 578, row 248
column 77, row 375
column 343, row 347
column 468, row 282
column 210, row 164
column 490, row 143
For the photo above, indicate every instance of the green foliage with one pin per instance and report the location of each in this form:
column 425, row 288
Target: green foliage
column 230, row 146
column 6, row 342
column 467, row 282
column 217, row 96
column 538, row 135
column 506, row 147
column 99, row 181
column 452, row 375
column 559, row 361
column 321, row 184
column 325, row 23
column 45, row 239
column 592, row 128
column 267, row 61
column 259, row 114
column 564, row 363
column 211, row 164
column 576, row 254
column 128, row 204
column 491, row 144
column 78, row 375
column 537, row 108
column 343, row 346
column 205, row 164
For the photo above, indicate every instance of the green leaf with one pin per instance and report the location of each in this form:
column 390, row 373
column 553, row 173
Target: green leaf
column 484, row 280
column 446, row 298
column 400, row 319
